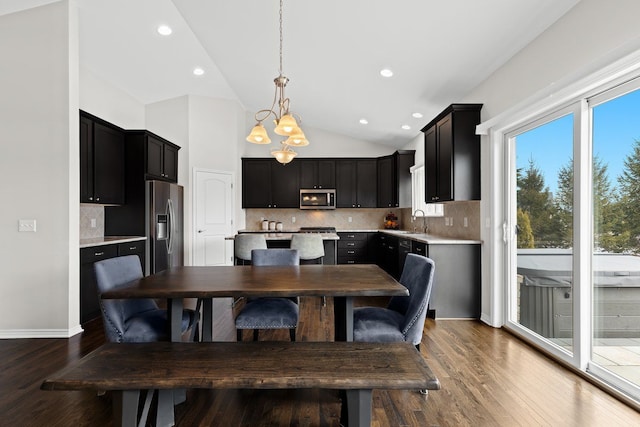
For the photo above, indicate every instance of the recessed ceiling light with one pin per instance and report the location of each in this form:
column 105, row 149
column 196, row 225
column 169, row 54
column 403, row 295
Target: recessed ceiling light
column 364, row 121
column 406, row 127
column 164, row 30
column 198, row 71
column 386, row 72
column 417, row 115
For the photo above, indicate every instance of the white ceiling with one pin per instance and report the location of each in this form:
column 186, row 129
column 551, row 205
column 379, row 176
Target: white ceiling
column 333, row 52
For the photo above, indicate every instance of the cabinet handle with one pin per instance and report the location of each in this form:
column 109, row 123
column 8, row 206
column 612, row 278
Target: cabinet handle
column 90, row 198
column 351, row 236
column 358, row 205
column 350, row 244
column 133, row 248
column 351, row 262
column 351, row 252
column 98, row 253
column 97, row 199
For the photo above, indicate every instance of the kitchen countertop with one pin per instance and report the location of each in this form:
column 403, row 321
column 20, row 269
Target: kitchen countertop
column 109, row 240
column 430, row 238
column 286, row 235
column 420, row 237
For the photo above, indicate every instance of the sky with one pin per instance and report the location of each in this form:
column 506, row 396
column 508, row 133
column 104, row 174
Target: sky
column 616, row 125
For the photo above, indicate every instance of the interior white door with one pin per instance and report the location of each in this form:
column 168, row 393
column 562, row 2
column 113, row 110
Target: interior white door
column 213, row 221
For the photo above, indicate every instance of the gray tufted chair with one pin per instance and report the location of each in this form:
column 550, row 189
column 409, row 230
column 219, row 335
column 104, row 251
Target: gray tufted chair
column 133, row 320
column 270, row 313
column 311, row 248
column 403, row 318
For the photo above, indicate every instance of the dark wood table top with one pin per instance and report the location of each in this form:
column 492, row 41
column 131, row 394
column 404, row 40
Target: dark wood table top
column 238, row 281
column 166, row 365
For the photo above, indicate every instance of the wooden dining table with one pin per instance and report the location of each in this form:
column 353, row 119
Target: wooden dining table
column 342, row 282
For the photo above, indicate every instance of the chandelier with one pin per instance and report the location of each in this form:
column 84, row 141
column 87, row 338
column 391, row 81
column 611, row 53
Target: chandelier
column 286, row 124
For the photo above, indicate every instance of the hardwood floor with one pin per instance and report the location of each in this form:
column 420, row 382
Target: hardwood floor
column 488, row 377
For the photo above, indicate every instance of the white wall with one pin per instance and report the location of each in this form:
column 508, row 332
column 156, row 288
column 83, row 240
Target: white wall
column 38, row 107
column 102, row 99
column 587, row 38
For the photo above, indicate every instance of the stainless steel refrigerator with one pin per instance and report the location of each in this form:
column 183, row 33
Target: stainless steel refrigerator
column 164, row 224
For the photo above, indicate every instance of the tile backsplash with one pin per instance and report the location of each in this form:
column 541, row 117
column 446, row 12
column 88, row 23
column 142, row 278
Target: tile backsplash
column 372, row 219
column 88, row 213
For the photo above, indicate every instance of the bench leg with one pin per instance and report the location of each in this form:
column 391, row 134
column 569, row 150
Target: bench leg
column 359, row 408
column 165, row 416
column 125, row 408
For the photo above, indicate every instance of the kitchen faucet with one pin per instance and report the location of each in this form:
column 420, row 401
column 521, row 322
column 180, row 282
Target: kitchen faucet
column 424, row 220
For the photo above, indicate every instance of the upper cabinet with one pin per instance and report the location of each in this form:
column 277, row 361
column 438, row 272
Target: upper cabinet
column 317, row 173
column 268, row 184
column 356, row 183
column 160, row 155
column 102, row 161
column 452, row 154
column 394, row 179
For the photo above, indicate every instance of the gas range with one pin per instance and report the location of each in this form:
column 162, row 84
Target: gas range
column 317, row 230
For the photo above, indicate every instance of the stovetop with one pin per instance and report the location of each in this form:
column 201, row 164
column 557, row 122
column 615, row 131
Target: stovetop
column 317, row 229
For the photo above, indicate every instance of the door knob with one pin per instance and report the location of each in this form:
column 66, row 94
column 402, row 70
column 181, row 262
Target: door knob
column 201, row 231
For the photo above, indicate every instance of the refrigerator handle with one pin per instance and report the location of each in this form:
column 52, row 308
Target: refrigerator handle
column 170, row 226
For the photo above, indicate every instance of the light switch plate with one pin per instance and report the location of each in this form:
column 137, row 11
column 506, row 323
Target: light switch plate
column 27, row 225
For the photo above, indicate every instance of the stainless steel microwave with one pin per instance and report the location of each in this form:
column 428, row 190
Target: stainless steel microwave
column 313, row 198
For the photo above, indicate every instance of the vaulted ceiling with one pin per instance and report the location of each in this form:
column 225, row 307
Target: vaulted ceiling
column 333, row 51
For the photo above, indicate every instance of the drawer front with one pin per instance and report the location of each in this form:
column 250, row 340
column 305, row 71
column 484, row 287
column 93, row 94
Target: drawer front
column 352, row 260
column 98, row 253
column 352, row 236
column 131, row 248
column 419, row 248
column 352, row 252
column 351, row 244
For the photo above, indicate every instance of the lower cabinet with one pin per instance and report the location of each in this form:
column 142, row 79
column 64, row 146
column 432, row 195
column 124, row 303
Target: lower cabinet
column 388, row 254
column 456, row 285
column 89, row 303
column 355, row 248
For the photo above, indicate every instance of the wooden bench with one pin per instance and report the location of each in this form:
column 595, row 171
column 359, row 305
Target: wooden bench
column 356, row 368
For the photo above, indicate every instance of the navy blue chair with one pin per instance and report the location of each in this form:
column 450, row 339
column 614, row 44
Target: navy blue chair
column 270, row 313
column 133, row 320
column 403, row 318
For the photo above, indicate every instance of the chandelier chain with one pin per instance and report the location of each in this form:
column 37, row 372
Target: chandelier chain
column 281, row 37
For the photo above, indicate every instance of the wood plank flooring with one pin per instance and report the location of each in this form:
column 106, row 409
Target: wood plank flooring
column 488, row 377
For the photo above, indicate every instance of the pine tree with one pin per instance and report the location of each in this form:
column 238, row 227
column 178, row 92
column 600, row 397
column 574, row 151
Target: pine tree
column 535, row 199
column 630, row 196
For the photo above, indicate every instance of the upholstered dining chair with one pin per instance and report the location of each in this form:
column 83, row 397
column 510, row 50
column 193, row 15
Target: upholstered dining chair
column 270, row 313
column 311, row 248
column 403, row 318
column 137, row 320
column 244, row 243
column 134, row 320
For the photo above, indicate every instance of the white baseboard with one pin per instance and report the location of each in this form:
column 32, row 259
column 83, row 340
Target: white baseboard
column 40, row 333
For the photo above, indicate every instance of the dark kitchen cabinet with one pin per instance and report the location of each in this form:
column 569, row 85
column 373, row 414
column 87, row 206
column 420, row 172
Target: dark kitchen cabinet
column 452, row 154
column 355, row 248
column 89, row 301
column 269, row 184
column 394, row 179
column 160, row 156
column 356, row 183
column 388, row 254
column 102, row 161
column 317, row 173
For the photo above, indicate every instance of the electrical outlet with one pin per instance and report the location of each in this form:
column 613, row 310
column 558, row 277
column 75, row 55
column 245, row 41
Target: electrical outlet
column 446, row 221
column 27, row 225
column 293, row 219
column 450, row 221
column 350, row 219
column 465, row 222
column 93, row 223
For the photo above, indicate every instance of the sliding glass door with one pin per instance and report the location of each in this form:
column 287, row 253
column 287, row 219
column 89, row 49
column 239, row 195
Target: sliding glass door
column 542, row 292
column 573, row 233
column 616, row 234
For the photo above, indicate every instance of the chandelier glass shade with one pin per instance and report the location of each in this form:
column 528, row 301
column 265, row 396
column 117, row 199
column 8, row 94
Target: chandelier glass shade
column 285, row 121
